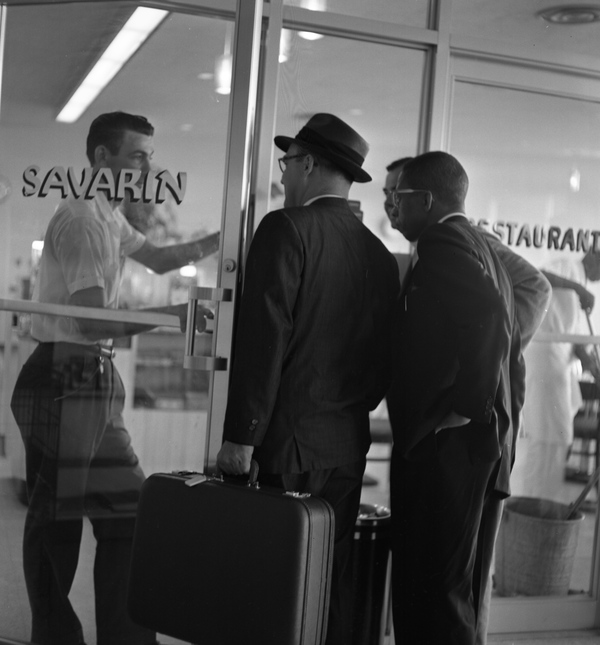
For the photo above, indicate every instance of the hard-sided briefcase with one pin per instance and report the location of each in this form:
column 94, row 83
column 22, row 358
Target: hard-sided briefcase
column 220, row 562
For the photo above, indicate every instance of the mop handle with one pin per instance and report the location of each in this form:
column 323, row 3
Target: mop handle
column 579, row 501
column 591, row 328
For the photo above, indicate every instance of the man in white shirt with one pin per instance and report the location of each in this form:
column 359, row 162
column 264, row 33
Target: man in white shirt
column 68, row 399
column 553, row 393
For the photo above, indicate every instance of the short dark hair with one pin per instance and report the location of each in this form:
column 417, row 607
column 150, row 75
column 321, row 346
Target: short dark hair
column 108, row 130
column 440, row 173
column 398, row 163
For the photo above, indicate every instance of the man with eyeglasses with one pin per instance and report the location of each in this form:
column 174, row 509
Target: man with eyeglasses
column 457, row 356
column 312, row 352
column 391, row 179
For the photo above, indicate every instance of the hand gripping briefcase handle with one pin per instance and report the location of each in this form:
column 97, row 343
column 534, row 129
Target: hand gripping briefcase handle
column 198, row 478
column 195, row 478
column 191, row 362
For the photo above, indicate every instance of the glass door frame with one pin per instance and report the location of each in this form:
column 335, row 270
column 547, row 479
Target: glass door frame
column 236, row 202
column 495, row 68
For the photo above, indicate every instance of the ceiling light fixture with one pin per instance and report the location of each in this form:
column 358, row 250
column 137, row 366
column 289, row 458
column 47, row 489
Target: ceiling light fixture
column 575, row 180
column 312, row 5
column 224, row 66
column 134, row 33
column 284, row 45
column 571, row 15
column 188, row 271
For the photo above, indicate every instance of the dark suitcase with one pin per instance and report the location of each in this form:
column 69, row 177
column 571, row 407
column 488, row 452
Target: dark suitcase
column 220, row 562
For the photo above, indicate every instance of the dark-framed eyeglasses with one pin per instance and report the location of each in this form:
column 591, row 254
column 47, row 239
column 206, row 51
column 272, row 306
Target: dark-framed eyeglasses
column 283, row 161
column 397, row 194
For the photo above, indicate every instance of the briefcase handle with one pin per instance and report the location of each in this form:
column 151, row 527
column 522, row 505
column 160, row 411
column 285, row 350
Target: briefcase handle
column 199, row 478
column 253, row 474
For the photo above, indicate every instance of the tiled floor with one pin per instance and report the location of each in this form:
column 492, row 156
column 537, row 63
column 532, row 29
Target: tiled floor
column 14, row 611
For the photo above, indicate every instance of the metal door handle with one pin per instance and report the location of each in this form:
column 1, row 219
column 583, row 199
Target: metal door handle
column 209, row 363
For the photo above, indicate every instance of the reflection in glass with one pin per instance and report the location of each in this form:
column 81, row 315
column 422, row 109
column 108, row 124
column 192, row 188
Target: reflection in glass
column 95, row 417
column 522, row 188
column 414, row 14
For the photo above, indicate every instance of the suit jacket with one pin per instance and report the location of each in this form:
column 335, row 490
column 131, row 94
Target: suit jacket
column 453, row 345
column 312, row 350
column 532, row 294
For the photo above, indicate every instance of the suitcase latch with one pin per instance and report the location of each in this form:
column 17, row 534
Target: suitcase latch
column 196, row 479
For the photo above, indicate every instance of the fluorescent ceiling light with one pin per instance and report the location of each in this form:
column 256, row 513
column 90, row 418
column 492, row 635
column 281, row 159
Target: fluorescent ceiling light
column 223, row 73
column 312, row 5
column 136, row 30
column 309, row 35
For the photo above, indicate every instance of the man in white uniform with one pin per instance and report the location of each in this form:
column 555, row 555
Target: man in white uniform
column 553, row 395
column 68, row 400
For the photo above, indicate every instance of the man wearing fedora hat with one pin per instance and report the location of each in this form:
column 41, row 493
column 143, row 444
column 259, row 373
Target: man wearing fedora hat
column 312, row 351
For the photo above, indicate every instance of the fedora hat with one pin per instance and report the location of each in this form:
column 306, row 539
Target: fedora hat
column 330, row 137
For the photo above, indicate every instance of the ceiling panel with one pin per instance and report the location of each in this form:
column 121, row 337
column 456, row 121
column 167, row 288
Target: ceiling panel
column 50, row 48
column 518, row 22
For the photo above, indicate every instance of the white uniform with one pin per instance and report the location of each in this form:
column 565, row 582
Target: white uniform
column 552, row 396
column 85, row 246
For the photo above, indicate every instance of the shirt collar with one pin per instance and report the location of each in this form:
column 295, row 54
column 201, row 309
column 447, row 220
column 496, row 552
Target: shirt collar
column 314, row 199
column 443, row 219
column 457, row 214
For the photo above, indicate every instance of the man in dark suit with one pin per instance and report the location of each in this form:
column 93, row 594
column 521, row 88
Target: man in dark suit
column 312, row 351
column 457, row 356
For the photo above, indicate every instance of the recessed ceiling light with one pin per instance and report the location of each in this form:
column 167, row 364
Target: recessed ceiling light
column 571, row 15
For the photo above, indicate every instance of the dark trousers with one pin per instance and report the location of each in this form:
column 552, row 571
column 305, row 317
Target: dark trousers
column 341, row 487
column 437, row 515
column 79, row 461
column 486, row 541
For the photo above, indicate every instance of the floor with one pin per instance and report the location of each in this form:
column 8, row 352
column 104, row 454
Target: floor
column 14, row 612
column 562, row 638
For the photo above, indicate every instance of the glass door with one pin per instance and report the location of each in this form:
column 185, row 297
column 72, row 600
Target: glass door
column 192, row 73
column 528, row 137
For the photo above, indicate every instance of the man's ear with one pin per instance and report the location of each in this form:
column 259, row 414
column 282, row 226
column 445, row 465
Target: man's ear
column 429, row 201
column 309, row 163
column 101, row 155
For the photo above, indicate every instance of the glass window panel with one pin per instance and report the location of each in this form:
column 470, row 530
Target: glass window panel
column 532, row 162
column 518, row 23
column 337, row 75
column 413, row 14
column 172, row 80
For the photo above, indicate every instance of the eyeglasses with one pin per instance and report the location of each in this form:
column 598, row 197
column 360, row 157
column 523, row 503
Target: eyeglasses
column 397, row 194
column 283, row 161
